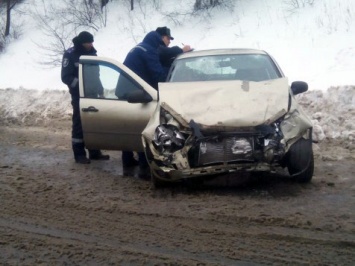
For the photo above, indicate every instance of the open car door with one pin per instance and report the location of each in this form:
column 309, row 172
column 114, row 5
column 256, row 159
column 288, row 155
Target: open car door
column 115, row 104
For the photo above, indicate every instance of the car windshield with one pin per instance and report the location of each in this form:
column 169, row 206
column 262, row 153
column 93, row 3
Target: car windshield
column 249, row 67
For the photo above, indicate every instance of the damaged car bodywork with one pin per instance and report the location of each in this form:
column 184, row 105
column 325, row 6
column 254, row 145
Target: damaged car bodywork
column 220, row 111
column 215, row 125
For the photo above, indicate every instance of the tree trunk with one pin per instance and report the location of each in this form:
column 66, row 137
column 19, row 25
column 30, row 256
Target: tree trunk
column 8, row 18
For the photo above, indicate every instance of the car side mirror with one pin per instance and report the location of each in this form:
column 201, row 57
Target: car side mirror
column 138, row 96
column 298, row 87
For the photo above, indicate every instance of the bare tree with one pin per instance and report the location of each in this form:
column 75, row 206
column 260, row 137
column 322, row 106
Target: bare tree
column 60, row 23
column 8, row 5
column 104, row 3
column 207, row 4
column 59, row 39
column 293, row 6
column 86, row 13
column 202, row 9
column 6, row 29
column 132, row 3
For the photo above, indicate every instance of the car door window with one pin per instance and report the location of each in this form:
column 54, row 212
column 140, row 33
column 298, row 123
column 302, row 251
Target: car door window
column 108, row 80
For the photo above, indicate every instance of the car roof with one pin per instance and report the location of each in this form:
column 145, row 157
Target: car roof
column 221, row 52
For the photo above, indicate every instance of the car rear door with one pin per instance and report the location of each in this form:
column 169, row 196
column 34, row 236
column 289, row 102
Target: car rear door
column 111, row 122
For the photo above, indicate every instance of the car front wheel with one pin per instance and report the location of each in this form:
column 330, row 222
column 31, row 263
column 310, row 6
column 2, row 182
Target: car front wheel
column 300, row 161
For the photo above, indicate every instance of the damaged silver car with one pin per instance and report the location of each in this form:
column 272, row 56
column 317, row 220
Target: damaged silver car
column 221, row 111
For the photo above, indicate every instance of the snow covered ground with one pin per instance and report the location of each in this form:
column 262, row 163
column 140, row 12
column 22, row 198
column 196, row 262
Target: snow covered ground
column 313, row 43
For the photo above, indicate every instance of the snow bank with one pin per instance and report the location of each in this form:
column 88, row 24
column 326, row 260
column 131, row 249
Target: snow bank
column 332, row 111
column 33, row 107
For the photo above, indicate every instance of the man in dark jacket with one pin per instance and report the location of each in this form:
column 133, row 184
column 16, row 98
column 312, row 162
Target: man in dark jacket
column 143, row 59
column 83, row 45
column 168, row 54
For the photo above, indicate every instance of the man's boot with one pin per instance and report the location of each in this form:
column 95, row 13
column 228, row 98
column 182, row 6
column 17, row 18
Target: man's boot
column 82, row 160
column 97, row 155
column 79, row 153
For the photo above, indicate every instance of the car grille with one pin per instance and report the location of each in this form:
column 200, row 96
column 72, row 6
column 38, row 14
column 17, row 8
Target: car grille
column 225, row 150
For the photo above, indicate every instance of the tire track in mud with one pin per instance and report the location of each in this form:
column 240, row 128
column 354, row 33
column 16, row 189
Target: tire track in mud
column 167, row 236
column 53, row 211
column 140, row 249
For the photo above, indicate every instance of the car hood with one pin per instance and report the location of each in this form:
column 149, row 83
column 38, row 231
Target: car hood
column 225, row 103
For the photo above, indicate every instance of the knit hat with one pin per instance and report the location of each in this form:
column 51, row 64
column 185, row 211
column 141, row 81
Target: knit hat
column 83, row 37
column 164, row 31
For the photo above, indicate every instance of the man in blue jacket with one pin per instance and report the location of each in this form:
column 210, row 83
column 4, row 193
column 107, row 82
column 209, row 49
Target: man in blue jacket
column 168, row 54
column 83, row 45
column 143, row 59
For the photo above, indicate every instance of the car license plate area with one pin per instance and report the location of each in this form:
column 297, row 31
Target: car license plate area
column 225, row 150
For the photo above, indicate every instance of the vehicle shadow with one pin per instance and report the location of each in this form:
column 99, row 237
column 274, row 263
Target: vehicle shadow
column 276, row 185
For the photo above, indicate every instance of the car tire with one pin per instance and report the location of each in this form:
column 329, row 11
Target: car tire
column 300, row 161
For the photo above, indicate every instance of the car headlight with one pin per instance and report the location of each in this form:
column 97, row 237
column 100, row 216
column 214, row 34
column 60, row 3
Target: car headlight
column 167, row 138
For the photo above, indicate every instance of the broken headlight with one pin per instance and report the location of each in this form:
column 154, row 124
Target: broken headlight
column 167, row 138
column 291, row 125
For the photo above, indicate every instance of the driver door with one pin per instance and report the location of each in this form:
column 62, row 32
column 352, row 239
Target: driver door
column 111, row 122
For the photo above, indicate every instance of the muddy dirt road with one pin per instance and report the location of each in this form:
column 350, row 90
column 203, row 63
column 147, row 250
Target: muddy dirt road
column 56, row 212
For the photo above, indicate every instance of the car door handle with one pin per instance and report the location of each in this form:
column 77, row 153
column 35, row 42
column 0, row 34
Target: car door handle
column 90, row 109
